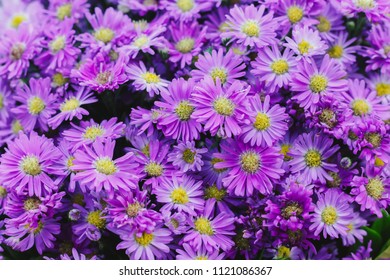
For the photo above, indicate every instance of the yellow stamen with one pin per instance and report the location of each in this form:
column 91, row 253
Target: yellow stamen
column 189, row 156
column 36, row 105
column 318, row 83
column 57, row 44
column 313, row 158
column 95, row 219
column 262, row 122
column 329, row 215
column 224, row 106
column 64, row 11
column 220, row 73
column 145, row 240
column 185, row 45
column 279, row 67
column 184, row 110
column 250, row 162
column 251, row 28
column 70, row 105
column 360, row 107
column 30, row 165
column 179, row 196
column 294, row 14
column 105, row 166
column 324, row 25
column 375, row 188
column 104, row 35
column 336, row 51
column 203, row 226
column 154, row 169
column 185, row 5
column 92, row 132
column 151, row 78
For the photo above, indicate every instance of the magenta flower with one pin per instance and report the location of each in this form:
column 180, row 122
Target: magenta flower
column 64, row 9
column 186, row 157
column 202, row 254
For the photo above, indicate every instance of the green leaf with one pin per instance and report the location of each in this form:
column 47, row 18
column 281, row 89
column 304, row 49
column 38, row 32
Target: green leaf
column 385, row 252
column 377, row 241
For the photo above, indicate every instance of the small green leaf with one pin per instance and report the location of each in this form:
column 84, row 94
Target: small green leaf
column 385, row 252
column 377, row 241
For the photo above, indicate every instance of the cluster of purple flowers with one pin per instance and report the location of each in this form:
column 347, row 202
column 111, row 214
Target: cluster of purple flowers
column 193, row 129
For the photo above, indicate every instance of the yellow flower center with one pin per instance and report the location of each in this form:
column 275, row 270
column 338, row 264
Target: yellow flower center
column 146, row 150
column 201, row 258
column 214, row 161
column 30, row 165
column 294, row 14
column 251, row 28
column 184, row 110
column 329, row 215
column 304, row 47
column 291, row 209
column 57, row 44
column 189, row 156
column 59, row 80
column 224, row 106
column 104, row 77
column 64, row 11
column 70, row 105
column 185, row 5
column 335, row 183
column 360, row 107
column 16, row 127
column 185, row 45
column 285, row 148
column 313, row 158
column 179, row 196
column 324, row 25
column 104, row 35
column 69, row 162
column 17, row 51
column 374, row 138
column 141, row 41
column 31, row 203
column 382, row 89
column 1, row 101
column 105, row 166
column 145, row 240
column 284, row 252
column 279, row 67
column 203, row 226
column 17, row 20
column 154, row 169
column 95, row 219
column 375, row 188
column 379, row 162
column 223, row 27
column 133, row 209
column 92, row 132
column 3, row 191
column 386, row 49
column 214, row 192
column 250, row 162
column 36, row 105
column 336, row 51
column 262, row 122
column 219, row 73
column 318, row 83
column 365, row 4
column 327, row 116
column 151, row 78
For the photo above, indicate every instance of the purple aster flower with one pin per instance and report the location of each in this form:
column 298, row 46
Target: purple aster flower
column 329, row 23
column 186, row 156
column 181, row 193
column 142, row 7
column 96, row 169
column 6, row 101
column 28, row 163
column 63, row 9
column 249, row 167
column 249, row 26
column 9, row 130
column 342, row 51
column 184, row 10
column 211, row 232
column 312, row 82
column 225, row 67
column 177, row 222
column 65, row 148
column 310, row 153
column 19, row 13
column 177, row 120
column 265, row 124
column 362, row 253
column 202, row 254
column 332, row 215
column 220, row 110
column 274, row 68
column 145, row 120
column 216, row 24
column 354, row 231
column 148, row 246
column 380, row 83
column 375, row 10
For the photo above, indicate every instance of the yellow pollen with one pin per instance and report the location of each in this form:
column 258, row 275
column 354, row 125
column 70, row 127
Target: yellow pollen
column 31, row 203
column 151, row 78
column 203, row 226
column 141, row 41
column 335, row 183
column 18, row 20
column 294, row 14
column 324, row 25
column 145, row 240
column 185, row 45
column 350, row 228
column 279, row 67
column 360, row 107
column 57, row 44
column 386, row 49
column 184, row 110
column 327, row 116
column 30, row 165
column 304, row 47
column 329, row 215
column 105, row 166
column 154, row 169
column 3, row 191
column 336, row 51
column 146, row 150
column 313, row 158
column 95, row 219
column 59, row 79
column 223, row 27
column 17, row 51
column 16, row 127
column 237, row 51
column 70, row 105
column 365, row 4
column 284, row 252
column 379, row 162
column 219, row 73
column 382, row 89
column 318, row 83
column 291, row 209
column 92, row 132
column 175, row 223
column 38, row 229
column 285, row 148
column 250, row 162
column 185, row 5
column 36, row 105
column 69, row 162
column 179, row 196
column 201, row 258
column 1, row 101
column 214, row 192
column 104, row 77
column 104, row 35
column 64, row 11
column 374, row 138
column 214, row 161
column 251, row 28
column 262, row 122
column 375, row 188
column 189, row 156
column 224, row 106
column 133, row 209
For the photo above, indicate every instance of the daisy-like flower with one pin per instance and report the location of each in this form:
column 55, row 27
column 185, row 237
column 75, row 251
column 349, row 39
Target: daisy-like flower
column 67, row 162
column 177, row 120
column 183, row 194
column 28, row 163
column 211, row 232
column 249, row 26
column 378, row 53
column 177, row 222
column 354, row 231
column 305, row 42
column 21, row 13
column 145, row 120
column 216, row 24
column 380, row 83
column 372, row 193
column 362, row 253
column 186, row 42
column 96, row 169
column 312, row 82
column 250, row 167
column 70, row 107
column 9, row 129
column 265, row 124
column 147, row 246
column 310, row 153
column 186, row 156
column 225, row 67
column 6, row 101
column 220, row 110
column 184, row 10
column 329, row 23
column 342, row 51
column 146, row 79
column 90, row 131
column 64, row 9
column 375, row 10
column 142, row 7
column 202, row 254
column 332, row 215
column 273, row 67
